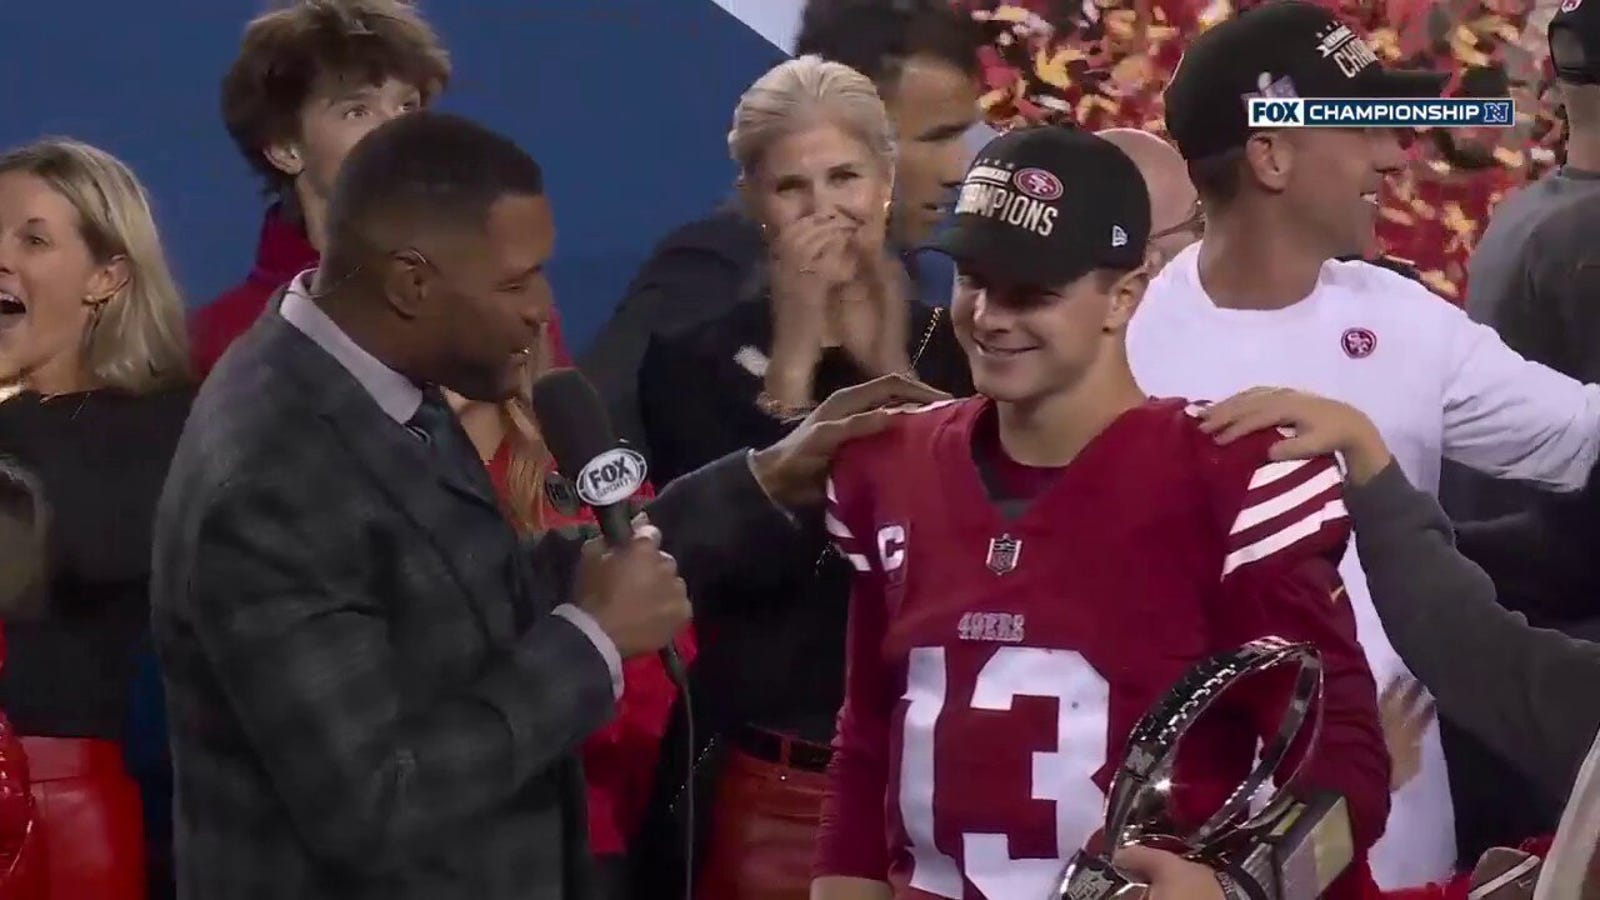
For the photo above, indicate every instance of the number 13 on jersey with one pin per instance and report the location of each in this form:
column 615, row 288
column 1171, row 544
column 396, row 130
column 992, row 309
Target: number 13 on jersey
column 1062, row 775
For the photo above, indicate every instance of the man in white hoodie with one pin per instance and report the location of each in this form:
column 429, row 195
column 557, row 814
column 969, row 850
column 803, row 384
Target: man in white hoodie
column 1260, row 301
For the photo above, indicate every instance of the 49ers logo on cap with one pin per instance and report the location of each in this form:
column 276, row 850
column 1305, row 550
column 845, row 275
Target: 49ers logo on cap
column 1038, row 184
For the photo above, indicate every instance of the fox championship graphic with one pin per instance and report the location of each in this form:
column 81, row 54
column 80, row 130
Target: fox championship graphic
column 1023, row 198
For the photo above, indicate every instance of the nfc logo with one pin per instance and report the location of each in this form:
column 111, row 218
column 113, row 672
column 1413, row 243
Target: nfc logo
column 1266, row 112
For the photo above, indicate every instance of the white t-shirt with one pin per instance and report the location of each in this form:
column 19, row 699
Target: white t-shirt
column 1435, row 383
column 1570, row 869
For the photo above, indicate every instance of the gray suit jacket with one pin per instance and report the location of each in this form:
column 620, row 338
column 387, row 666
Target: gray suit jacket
column 368, row 694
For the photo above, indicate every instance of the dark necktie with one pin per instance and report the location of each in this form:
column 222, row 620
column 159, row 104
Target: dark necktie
column 435, row 425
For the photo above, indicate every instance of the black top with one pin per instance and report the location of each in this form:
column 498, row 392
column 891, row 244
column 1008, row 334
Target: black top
column 693, row 276
column 101, row 458
column 698, row 398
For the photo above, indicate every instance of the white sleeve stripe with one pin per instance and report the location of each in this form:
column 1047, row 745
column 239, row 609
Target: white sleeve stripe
column 836, row 527
column 1271, row 472
column 829, row 487
column 1279, row 504
column 859, row 562
column 1288, row 536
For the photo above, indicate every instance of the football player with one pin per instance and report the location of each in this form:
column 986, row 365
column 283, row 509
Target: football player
column 1038, row 565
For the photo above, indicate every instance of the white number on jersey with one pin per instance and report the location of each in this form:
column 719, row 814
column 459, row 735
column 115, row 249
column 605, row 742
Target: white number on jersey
column 1063, row 775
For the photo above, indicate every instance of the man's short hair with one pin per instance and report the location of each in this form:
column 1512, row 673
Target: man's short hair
column 876, row 37
column 430, row 167
column 285, row 52
column 1219, row 178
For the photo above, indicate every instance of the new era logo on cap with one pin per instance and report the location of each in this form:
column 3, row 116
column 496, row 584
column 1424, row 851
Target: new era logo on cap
column 1119, row 236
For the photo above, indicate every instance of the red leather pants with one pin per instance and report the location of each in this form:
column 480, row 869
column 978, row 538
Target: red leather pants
column 90, row 819
column 763, row 831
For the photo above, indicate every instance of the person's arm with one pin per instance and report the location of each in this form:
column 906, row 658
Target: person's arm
column 1525, row 692
column 1529, row 693
column 852, row 860
column 306, row 659
column 1511, row 418
column 1281, row 578
column 721, row 520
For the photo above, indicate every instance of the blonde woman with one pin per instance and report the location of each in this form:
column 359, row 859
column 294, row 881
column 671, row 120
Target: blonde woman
column 816, row 157
column 92, row 341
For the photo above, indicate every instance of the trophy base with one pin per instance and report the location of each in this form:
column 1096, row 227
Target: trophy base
column 1094, row 878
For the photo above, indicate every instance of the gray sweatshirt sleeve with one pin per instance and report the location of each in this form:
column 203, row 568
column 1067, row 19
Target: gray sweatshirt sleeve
column 1530, row 693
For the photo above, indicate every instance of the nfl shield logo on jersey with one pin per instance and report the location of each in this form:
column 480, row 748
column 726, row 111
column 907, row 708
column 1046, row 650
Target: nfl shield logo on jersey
column 1003, row 553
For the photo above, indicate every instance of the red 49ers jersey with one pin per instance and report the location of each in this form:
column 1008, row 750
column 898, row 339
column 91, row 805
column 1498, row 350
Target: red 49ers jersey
column 997, row 665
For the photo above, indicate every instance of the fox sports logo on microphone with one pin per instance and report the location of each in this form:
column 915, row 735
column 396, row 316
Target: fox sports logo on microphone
column 611, row 477
column 1439, row 112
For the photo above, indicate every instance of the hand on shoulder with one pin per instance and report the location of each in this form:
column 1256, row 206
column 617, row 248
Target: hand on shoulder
column 793, row 470
column 1317, row 426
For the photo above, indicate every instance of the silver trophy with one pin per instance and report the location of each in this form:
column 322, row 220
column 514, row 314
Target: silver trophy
column 1288, row 850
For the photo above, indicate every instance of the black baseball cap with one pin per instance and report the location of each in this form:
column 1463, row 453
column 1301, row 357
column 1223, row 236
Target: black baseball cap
column 1283, row 48
column 1574, row 36
column 1046, row 205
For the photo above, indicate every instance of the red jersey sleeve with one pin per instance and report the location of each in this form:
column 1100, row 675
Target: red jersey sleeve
column 1286, row 531
column 853, row 839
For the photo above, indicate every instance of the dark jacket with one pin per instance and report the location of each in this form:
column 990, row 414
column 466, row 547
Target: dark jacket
column 369, row 694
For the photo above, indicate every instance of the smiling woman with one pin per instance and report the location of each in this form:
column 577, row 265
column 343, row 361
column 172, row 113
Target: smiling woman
column 86, row 300
column 92, row 346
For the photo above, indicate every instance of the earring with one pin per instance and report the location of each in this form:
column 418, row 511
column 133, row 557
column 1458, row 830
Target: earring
column 886, row 205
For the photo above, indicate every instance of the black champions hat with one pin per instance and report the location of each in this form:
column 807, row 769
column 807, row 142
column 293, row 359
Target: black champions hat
column 1045, row 205
column 1575, row 42
column 1283, row 48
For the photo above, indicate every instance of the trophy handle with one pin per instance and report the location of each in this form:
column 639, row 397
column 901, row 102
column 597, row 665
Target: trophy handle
column 1302, row 706
column 1138, row 792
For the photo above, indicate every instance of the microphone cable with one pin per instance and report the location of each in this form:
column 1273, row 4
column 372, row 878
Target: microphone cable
column 675, row 670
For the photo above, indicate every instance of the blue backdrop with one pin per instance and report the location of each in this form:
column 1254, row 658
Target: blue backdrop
column 625, row 102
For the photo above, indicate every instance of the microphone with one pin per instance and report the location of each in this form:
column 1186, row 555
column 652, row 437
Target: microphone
column 576, row 429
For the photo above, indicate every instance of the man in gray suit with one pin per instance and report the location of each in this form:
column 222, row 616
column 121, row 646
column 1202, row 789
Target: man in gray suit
column 374, row 690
